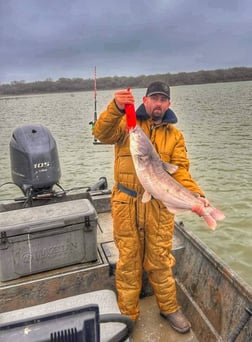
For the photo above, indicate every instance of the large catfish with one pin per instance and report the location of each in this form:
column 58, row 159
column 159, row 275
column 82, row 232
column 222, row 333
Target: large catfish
column 154, row 175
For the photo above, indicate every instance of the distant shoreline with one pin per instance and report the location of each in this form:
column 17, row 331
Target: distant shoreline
column 63, row 85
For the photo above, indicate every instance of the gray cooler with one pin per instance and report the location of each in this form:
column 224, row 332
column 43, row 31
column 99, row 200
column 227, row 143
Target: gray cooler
column 47, row 237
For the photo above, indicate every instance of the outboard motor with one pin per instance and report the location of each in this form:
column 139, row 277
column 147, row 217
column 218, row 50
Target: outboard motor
column 34, row 159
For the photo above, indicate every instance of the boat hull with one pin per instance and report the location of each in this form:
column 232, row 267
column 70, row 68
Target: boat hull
column 212, row 296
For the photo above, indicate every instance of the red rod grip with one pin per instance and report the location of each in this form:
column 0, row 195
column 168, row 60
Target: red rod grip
column 130, row 115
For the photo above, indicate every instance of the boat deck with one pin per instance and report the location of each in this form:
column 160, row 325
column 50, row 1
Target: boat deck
column 211, row 295
column 39, row 289
column 151, row 327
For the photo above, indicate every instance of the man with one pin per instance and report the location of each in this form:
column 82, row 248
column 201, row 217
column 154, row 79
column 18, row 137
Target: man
column 143, row 231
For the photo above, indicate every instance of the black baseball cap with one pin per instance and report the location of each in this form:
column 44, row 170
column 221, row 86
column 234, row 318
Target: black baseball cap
column 158, row 88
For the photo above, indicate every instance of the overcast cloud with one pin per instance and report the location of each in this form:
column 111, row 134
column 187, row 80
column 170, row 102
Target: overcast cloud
column 42, row 39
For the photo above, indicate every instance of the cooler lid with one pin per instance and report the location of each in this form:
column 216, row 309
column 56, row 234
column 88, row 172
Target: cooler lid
column 28, row 220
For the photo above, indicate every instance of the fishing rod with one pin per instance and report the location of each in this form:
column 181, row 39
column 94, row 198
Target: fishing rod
column 95, row 93
column 96, row 141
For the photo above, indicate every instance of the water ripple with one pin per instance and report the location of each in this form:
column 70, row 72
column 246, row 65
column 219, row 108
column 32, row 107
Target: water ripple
column 216, row 120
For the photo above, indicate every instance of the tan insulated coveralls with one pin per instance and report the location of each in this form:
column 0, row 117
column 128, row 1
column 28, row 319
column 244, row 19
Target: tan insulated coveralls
column 143, row 231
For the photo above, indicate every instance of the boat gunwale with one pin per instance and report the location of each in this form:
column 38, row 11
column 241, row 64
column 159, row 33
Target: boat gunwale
column 241, row 285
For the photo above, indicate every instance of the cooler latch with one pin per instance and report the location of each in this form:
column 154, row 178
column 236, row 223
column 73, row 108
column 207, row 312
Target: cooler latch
column 87, row 223
column 3, row 241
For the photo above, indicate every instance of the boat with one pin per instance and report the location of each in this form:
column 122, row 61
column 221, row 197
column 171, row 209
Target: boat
column 54, row 302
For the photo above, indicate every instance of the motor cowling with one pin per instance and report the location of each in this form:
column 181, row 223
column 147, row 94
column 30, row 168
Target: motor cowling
column 34, row 158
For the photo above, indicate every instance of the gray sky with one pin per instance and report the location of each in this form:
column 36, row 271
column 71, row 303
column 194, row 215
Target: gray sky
column 42, row 39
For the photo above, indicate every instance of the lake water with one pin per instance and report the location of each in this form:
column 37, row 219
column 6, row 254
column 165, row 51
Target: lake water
column 216, row 120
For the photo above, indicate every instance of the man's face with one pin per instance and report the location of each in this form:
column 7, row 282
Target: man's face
column 156, row 105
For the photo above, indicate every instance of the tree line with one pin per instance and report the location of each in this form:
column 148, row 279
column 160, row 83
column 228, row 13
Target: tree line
column 118, row 82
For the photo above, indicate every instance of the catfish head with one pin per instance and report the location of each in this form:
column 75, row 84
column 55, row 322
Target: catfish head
column 143, row 152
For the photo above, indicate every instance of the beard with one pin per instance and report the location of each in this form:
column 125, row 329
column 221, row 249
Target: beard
column 157, row 114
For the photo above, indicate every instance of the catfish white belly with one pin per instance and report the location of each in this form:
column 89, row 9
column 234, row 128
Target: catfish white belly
column 154, row 175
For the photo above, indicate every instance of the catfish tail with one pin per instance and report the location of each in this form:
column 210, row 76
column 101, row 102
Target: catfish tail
column 210, row 215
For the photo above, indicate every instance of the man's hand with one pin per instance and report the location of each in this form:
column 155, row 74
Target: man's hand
column 123, row 97
column 205, row 201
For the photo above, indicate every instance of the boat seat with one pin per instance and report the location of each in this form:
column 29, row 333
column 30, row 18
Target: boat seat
column 112, row 255
column 93, row 317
